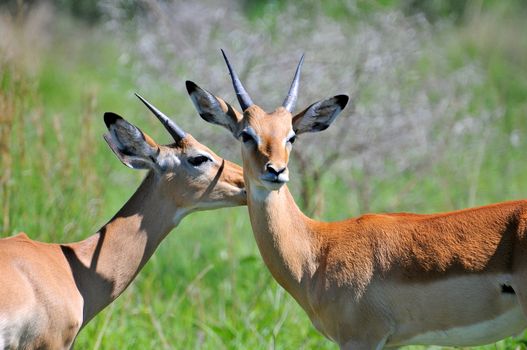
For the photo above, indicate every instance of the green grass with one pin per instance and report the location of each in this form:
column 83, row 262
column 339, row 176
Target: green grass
column 206, row 288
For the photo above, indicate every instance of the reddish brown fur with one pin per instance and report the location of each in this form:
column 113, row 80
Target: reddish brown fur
column 418, row 248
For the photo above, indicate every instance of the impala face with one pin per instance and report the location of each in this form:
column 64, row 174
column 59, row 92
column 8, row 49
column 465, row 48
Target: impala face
column 267, row 138
column 266, row 144
column 192, row 175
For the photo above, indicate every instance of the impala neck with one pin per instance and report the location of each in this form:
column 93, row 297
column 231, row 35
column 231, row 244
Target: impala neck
column 106, row 263
column 284, row 236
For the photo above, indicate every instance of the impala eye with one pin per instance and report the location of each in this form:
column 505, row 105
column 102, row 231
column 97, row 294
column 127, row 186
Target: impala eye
column 246, row 137
column 199, row 160
column 292, row 139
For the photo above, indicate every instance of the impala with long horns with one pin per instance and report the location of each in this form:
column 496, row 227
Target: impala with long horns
column 378, row 280
column 48, row 292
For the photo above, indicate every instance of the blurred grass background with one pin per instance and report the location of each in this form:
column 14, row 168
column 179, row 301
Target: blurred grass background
column 64, row 63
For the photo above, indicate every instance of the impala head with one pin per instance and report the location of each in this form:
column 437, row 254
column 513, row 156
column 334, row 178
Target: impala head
column 190, row 173
column 267, row 138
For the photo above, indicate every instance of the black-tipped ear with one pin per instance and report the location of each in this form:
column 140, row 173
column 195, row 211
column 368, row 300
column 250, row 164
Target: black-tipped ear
column 191, row 86
column 342, row 100
column 111, row 118
column 213, row 109
column 133, row 147
column 319, row 115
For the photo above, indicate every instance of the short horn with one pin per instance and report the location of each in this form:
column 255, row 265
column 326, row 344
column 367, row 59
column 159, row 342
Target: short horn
column 241, row 93
column 290, row 100
column 174, row 130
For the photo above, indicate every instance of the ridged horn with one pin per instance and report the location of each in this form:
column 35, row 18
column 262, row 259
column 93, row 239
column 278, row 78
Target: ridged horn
column 174, row 130
column 290, row 100
column 243, row 97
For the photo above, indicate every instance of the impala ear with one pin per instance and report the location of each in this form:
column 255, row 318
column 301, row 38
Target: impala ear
column 319, row 115
column 134, row 148
column 213, row 109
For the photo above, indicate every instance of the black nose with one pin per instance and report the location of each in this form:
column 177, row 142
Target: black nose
column 272, row 169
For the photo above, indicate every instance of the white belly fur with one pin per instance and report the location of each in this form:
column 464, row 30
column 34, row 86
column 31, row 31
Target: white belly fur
column 507, row 324
column 468, row 297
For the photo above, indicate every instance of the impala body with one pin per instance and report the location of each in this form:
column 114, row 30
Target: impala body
column 379, row 280
column 48, row 292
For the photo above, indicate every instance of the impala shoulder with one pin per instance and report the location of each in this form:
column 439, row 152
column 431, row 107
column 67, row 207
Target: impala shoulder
column 22, row 236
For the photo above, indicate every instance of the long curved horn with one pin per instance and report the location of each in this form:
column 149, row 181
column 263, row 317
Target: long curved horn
column 241, row 94
column 290, row 100
column 174, row 130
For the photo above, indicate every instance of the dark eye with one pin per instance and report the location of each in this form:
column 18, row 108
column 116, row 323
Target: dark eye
column 292, row 139
column 246, row 137
column 197, row 161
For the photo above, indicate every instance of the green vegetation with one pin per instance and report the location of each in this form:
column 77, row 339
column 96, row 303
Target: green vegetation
column 207, row 288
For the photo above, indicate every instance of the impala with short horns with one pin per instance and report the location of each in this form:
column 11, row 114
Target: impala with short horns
column 377, row 280
column 50, row 291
